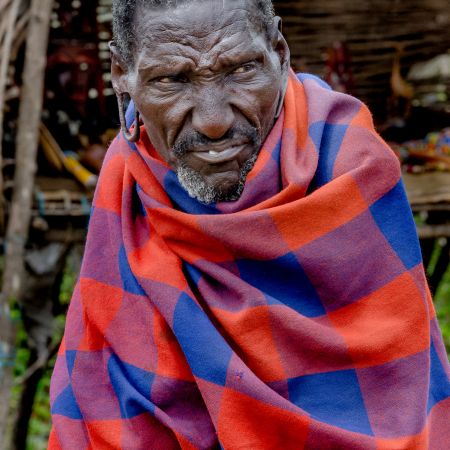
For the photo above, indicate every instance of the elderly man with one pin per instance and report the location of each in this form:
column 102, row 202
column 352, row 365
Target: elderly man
column 252, row 276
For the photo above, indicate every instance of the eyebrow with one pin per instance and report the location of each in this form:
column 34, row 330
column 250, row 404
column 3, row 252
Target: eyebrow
column 156, row 65
column 243, row 50
column 184, row 63
column 235, row 56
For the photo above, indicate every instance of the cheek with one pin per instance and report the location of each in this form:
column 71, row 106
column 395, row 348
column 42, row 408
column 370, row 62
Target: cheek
column 258, row 104
column 162, row 119
column 154, row 109
column 260, row 96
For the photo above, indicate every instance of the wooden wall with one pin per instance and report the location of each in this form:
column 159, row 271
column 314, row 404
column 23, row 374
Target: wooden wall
column 371, row 29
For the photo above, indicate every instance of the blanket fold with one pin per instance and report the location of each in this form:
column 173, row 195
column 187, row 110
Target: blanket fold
column 296, row 317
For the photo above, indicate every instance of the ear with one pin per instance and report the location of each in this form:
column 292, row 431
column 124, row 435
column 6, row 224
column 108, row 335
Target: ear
column 119, row 70
column 279, row 43
column 280, row 46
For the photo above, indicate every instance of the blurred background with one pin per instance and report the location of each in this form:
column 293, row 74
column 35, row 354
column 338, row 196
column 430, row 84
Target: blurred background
column 58, row 114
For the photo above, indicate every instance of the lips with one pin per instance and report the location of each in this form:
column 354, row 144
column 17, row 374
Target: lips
column 218, row 156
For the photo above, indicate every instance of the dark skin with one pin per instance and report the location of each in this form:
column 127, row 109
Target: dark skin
column 207, row 82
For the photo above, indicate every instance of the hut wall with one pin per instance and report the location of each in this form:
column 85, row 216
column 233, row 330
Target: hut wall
column 371, row 31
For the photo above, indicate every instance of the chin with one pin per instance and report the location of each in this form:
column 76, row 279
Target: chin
column 224, row 181
column 231, row 191
column 206, row 192
column 219, row 187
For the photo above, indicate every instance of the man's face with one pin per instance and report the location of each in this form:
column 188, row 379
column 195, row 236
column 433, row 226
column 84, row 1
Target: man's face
column 207, row 83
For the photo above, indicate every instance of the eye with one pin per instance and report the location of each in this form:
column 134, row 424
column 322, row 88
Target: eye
column 245, row 68
column 170, row 79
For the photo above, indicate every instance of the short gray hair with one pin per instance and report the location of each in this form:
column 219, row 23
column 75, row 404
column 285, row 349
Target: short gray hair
column 124, row 12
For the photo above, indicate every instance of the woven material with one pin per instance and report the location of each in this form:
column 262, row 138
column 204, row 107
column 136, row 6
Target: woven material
column 296, row 317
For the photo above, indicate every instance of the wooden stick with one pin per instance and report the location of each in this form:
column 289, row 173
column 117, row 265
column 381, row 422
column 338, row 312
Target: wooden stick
column 52, row 150
column 433, row 231
column 26, row 150
column 4, row 4
column 9, row 22
column 4, row 64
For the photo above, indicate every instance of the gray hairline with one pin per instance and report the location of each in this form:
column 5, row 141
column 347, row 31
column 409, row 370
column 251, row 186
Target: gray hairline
column 124, row 12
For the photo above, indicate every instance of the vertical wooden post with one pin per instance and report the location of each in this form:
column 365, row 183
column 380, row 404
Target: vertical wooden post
column 17, row 231
column 4, row 65
column 11, row 17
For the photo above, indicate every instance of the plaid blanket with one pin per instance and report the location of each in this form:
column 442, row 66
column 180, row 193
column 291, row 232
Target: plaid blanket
column 296, row 317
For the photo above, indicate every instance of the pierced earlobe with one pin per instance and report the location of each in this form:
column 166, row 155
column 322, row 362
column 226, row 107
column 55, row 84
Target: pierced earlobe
column 281, row 99
column 123, row 123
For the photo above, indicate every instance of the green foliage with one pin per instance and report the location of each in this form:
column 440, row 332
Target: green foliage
column 40, row 419
column 442, row 295
column 442, row 305
column 40, row 422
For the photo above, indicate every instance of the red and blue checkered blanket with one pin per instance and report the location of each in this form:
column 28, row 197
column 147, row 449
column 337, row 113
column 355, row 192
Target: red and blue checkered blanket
column 296, row 317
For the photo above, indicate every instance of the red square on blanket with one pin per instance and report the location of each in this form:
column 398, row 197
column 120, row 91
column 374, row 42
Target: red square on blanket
column 100, row 305
column 245, row 422
column 319, row 213
column 378, row 328
column 171, row 361
column 105, row 433
column 251, row 331
column 109, row 192
column 190, row 241
column 409, row 442
column 168, row 268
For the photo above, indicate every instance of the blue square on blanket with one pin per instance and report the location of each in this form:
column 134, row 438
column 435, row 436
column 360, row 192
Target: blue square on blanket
column 129, row 282
column 132, row 386
column 327, row 139
column 66, row 404
column 332, row 397
column 70, row 360
column 439, row 382
column 393, row 216
column 284, row 282
column 206, row 351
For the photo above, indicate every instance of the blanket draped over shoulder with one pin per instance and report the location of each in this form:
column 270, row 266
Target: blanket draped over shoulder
column 296, row 317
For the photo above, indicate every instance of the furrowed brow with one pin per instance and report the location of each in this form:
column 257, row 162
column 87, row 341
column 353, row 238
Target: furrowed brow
column 156, row 68
column 235, row 56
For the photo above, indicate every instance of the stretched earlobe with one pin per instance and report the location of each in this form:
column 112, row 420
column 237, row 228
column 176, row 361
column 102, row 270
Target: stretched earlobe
column 119, row 73
column 114, row 51
column 281, row 96
column 279, row 23
column 281, row 48
column 123, row 123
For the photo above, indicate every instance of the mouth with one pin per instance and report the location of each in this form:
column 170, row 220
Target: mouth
column 218, row 156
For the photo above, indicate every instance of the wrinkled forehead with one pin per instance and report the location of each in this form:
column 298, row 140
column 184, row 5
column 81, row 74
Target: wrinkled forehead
column 195, row 22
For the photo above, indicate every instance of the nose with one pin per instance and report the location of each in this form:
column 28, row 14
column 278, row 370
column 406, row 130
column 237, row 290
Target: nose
column 212, row 114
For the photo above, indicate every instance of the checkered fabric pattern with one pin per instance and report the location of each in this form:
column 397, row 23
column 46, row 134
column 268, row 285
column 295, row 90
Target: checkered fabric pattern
column 297, row 317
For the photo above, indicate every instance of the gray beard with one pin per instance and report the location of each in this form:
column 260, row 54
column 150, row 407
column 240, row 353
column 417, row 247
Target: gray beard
column 197, row 187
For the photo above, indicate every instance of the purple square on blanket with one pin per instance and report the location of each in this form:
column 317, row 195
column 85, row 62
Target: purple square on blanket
column 182, row 403
column 104, row 243
column 130, row 333
column 92, row 386
column 350, row 262
column 395, row 395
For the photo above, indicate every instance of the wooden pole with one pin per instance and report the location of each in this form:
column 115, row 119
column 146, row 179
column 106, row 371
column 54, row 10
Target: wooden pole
column 17, row 231
column 8, row 39
column 4, row 65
